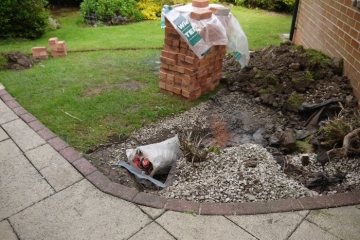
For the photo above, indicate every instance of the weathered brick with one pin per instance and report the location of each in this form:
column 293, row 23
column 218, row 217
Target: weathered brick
column 220, row 11
column 170, row 77
column 191, row 60
column 169, row 87
column 187, row 52
column 177, row 90
column 184, row 45
column 170, row 48
column 162, row 85
column 164, row 66
column 180, row 69
column 175, row 43
column 53, row 41
column 168, row 41
column 200, row 3
column 172, row 67
column 166, row 60
column 181, row 57
column 61, row 46
column 201, row 14
column 162, row 74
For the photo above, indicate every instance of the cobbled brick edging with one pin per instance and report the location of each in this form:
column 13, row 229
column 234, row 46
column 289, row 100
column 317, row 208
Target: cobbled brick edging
column 103, row 183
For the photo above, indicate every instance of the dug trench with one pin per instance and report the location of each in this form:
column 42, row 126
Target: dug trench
column 274, row 130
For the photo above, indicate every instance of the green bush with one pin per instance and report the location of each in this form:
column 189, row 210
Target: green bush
column 74, row 3
column 151, row 9
column 106, row 9
column 273, row 5
column 23, row 18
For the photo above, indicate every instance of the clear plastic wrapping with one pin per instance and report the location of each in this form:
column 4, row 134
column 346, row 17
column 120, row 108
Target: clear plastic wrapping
column 217, row 30
column 238, row 42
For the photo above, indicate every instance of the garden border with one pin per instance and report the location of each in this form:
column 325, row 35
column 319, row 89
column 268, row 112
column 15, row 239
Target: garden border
column 103, row 183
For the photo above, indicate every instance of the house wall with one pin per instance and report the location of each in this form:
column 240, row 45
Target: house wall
column 333, row 27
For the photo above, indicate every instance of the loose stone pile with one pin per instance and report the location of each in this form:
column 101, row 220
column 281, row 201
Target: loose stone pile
column 239, row 174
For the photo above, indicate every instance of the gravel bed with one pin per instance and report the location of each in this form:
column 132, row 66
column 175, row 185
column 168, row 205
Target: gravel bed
column 238, row 174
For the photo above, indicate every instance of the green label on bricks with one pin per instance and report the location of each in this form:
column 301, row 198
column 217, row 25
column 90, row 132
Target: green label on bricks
column 186, row 29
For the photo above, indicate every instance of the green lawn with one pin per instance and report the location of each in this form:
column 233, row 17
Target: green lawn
column 88, row 96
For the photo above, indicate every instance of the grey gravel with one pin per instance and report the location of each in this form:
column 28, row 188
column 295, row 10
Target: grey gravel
column 241, row 173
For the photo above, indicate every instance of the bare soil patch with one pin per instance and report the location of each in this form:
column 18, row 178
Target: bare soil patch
column 17, row 61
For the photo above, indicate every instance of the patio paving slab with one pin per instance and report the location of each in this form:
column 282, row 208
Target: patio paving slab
column 342, row 222
column 6, row 232
column 20, row 186
column 307, row 230
column 6, row 114
column 152, row 231
column 269, row 226
column 187, row 226
column 23, row 135
column 8, row 150
column 80, row 212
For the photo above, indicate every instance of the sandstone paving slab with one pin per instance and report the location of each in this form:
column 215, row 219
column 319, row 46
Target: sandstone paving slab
column 6, row 114
column 6, row 232
column 152, row 231
column 20, row 186
column 187, row 226
column 23, row 135
column 80, row 211
column 54, row 167
column 61, row 174
column 1, row 86
column 342, row 222
column 307, row 230
column 8, row 149
column 3, row 135
column 303, row 213
column 43, row 156
column 269, row 226
column 152, row 212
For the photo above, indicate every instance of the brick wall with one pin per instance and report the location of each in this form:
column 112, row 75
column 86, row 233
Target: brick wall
column 333, row 27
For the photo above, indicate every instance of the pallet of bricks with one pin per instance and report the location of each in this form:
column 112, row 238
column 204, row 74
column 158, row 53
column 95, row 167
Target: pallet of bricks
column 182, row 73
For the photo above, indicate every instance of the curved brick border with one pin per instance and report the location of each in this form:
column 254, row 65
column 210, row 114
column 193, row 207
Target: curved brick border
column 105, row 185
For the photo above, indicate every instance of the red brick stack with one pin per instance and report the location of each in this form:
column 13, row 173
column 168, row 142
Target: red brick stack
column 40, row 52
column 58, row 48
column 182, row 73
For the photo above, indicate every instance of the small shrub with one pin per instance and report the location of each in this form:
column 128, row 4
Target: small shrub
column 296, row 100
column 271, row 80
column 316, row 56
column 307, row 77
column 272, row 5
column 23, row 18
column 266, row 90
column 335, row 130
column 150, row 10
column 304, row 147
column 53, row 24
column 216, row 150
column 106, row 10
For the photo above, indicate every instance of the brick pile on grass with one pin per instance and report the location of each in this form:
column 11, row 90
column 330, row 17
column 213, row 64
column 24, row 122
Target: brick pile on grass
column 182, row 73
